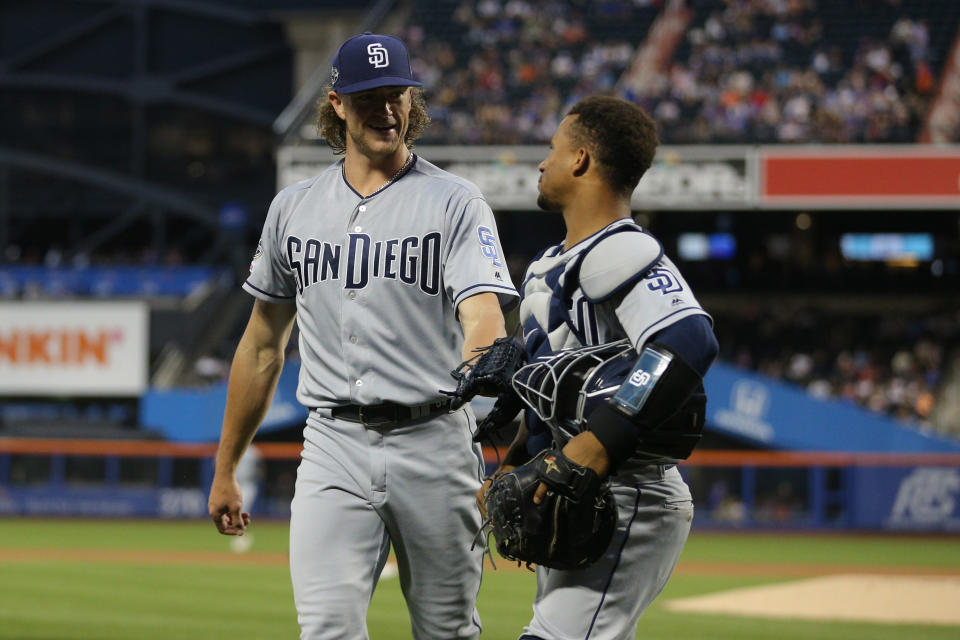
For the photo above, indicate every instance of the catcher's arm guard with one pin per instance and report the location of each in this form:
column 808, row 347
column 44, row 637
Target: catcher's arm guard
column 490, row 375
column 660, row 385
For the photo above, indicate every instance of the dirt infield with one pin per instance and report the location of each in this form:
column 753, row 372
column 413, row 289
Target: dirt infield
column 862, row 598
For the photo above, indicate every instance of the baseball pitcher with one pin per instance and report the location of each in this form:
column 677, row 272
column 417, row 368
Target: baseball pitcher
column 393, row 271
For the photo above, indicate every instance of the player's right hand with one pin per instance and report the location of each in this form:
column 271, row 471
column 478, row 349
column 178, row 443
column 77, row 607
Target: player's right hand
column 224, row 506
column 482, row 493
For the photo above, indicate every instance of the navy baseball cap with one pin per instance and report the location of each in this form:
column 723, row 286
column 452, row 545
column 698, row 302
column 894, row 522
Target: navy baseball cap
column 369, row 61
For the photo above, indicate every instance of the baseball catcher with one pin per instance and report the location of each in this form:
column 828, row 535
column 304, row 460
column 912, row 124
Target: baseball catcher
column 616, row 348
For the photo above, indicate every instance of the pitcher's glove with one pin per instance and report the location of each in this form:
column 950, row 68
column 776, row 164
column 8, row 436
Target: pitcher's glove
column 570, row 529
column 490, row 375
column 504, row 410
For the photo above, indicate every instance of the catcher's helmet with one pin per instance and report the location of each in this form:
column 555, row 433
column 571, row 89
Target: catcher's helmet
column 564, row 388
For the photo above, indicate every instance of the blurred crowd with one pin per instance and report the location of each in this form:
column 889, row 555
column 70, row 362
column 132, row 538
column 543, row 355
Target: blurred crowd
column 503, row 71
column 892, row 364
column 57, row 274
column 57, row 256
column 758, row 71
column 773, row 71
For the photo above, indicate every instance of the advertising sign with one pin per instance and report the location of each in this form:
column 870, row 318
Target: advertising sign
column 909, row 499
column 73, row 348
column 712, row 177
column 775, row 415
column 691, row 177
column 859, row 176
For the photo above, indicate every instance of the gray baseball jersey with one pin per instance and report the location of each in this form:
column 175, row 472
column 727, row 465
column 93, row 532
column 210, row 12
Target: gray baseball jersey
column 372, row 276
column 615, row 284
column 377, row 281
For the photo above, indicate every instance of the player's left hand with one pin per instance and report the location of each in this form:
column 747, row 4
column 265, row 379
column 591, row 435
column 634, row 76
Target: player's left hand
column 586, row 450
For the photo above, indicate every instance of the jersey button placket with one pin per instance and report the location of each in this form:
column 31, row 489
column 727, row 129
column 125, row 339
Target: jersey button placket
column 352, row 349
column 378, row 459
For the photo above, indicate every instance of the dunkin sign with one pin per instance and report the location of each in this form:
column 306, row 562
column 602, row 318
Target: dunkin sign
column 73, row 348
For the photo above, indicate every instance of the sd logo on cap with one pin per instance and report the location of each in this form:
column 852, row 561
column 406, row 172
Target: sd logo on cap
column 369, row 61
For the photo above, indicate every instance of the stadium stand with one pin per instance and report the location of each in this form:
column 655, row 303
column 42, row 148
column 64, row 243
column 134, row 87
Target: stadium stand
column 52, row 282
column 805, row 71
column 503, row 72
column 757, row 71
column 890, row 363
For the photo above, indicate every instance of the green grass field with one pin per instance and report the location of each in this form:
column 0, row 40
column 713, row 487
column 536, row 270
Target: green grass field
column 145, row 580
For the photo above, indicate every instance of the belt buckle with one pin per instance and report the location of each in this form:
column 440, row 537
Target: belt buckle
column 364, row 422
column 360, row 416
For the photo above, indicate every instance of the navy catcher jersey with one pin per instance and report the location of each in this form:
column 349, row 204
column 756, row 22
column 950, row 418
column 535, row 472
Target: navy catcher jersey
column 372, row 277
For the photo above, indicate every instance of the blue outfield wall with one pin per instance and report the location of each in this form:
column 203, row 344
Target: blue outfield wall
column 905, row 499
column 866, row 498
column 195, row 415
column 773, row 415
column 754, row 409
column 913, row 495
column 110, row 502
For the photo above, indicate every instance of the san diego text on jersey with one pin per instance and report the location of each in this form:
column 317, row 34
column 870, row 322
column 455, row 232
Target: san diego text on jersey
column 412, row 260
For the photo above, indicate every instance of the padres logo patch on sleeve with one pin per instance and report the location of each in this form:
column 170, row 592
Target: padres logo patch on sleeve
column 488, row 247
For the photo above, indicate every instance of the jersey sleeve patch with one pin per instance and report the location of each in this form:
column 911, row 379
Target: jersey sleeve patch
column 617, row 261
column 488, row 246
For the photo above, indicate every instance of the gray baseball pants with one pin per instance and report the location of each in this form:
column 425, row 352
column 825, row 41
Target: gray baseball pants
column 360, row 489
column 605, row 601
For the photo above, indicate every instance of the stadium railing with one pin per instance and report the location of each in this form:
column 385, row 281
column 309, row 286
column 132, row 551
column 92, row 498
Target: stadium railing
column 917, row 492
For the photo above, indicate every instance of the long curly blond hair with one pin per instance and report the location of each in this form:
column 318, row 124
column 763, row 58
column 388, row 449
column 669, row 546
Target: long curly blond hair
column 334, row 130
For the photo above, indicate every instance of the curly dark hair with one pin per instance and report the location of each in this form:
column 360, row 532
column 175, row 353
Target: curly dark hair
column 620, row 136
column 334, row 130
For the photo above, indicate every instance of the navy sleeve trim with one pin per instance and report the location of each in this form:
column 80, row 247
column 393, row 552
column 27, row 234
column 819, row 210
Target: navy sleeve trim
column 492, row 288
column 693, row 339
column 267, row 293
column 665, row 322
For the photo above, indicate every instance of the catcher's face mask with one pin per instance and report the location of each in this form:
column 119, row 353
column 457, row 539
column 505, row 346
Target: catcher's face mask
column 566, row 387
column 664, row 398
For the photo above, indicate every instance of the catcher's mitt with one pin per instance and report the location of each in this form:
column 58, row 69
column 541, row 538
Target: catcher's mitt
column 570, row 529
column 490, row 375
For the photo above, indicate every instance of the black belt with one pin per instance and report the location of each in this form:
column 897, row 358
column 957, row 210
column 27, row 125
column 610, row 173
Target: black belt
column 389, row 413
